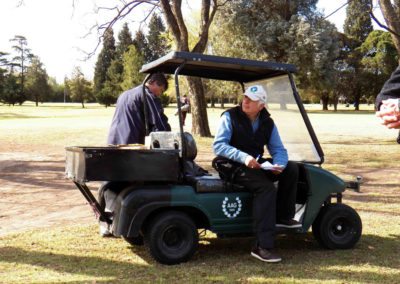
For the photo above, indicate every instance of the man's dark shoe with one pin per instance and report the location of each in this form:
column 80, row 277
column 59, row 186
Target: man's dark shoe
column 291, row 224
column 265, row 255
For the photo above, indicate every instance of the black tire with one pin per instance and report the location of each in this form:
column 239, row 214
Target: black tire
column 337, row 226
column 172, row 237
column 135, row 241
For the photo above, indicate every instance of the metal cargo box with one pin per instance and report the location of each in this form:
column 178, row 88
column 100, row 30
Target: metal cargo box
column 118, row 164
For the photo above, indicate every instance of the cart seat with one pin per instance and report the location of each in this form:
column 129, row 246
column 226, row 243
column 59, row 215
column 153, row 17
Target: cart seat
column 213, row 183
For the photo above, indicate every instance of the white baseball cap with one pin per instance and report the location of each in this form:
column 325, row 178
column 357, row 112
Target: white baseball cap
column 256, row 93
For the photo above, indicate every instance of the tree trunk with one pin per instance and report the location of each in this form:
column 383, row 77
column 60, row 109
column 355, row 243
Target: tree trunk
column 325, row 101
column 199, row 108
column 83, row 105
column 212, row 99
column 392, row 19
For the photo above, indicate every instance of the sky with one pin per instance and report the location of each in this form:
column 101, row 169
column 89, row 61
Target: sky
column 59, row 32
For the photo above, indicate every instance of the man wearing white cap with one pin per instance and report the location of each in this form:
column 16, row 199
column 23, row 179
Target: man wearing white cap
column 243, row 133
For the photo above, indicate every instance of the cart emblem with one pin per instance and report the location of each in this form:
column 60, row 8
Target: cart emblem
column 231, row 209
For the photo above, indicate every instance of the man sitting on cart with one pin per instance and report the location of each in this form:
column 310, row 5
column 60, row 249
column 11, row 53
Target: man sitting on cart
column 242, row 134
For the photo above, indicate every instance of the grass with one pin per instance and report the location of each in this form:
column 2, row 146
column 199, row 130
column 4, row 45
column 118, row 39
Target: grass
column 354, row 144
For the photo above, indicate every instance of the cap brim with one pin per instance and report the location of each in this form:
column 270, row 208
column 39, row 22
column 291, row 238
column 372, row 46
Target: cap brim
column 252, row 97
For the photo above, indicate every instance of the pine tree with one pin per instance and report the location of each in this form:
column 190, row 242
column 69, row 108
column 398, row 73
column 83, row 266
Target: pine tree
column 104, row 60
column 124, row 41
column 37, row 86
column 21, row 60
column 156, row 38
column 142, row 46
column 132, row 62
column 358, row 23
column 112, row 85
column 357, row 27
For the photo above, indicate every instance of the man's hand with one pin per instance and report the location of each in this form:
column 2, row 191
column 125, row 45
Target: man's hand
column 389, row 113
column 252, row 163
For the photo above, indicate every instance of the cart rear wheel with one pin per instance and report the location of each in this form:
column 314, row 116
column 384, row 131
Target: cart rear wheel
column 337, row 226
column 172, row 237
column 135, row 241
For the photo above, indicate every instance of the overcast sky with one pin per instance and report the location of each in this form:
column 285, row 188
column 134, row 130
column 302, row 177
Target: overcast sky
column 56, row 31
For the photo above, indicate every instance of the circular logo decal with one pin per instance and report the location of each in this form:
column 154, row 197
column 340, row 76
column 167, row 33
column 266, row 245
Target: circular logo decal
column 231, row 209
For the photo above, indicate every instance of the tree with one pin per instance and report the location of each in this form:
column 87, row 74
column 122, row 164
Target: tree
column 112, row 86
column 106, row 56
column 142, row 46
column 132, row 62
column 357, row 27
column 124, row 41
column 283, row 31
column 57, row 91
column 21, row 60
column 10, row 89
column 172, row 12
column 80, row 88
column 379, row 60
column 37, row 86
column 156, row 38
column 391, row 14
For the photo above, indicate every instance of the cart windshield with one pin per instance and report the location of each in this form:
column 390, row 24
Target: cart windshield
column 286, row 114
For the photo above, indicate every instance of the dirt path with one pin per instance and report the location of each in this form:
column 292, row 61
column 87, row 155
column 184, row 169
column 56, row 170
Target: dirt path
column 34, row 193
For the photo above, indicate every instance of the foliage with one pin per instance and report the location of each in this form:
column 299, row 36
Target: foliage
column 142, row 46
column 124, row 41
column 106, row 56
column 358, row 23
column 165, row 100
column 21, row 61
column 132, row 62
column 9, row 93
column 37, row 86
column 156, row 39
column 58, row 93
column 80, row 88
column 379, row 60
column 357, row 27
column 284, row 31
column 380, row 55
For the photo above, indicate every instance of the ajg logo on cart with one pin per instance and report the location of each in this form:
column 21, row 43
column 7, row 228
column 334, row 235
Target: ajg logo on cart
column 231, row 208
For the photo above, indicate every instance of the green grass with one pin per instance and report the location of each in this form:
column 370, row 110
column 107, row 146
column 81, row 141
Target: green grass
column 354, row 144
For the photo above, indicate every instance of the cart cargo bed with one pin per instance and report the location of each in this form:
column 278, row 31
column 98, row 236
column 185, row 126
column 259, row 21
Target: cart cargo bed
column 121, row 164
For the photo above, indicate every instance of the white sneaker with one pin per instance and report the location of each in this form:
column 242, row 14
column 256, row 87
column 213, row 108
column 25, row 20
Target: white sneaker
column 104, row 230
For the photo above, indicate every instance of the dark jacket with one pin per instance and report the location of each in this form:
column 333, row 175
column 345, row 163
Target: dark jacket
column 243, row 137
column 390, row 90
column 127, row 126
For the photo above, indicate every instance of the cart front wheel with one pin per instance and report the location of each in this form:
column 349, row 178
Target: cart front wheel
column 172, row 237
column 337, row 226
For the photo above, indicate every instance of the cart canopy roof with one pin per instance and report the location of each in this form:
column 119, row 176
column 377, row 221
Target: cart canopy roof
column 217, row 67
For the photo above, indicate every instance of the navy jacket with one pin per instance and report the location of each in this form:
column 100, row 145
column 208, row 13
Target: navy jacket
column 127, row 126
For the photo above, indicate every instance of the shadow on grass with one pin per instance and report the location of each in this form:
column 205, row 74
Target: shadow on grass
column 44, row 174
column 11, row 115
column 229, row 260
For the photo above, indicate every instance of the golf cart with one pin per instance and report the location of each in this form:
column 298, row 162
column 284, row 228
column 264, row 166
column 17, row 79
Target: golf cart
column 152, row 195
